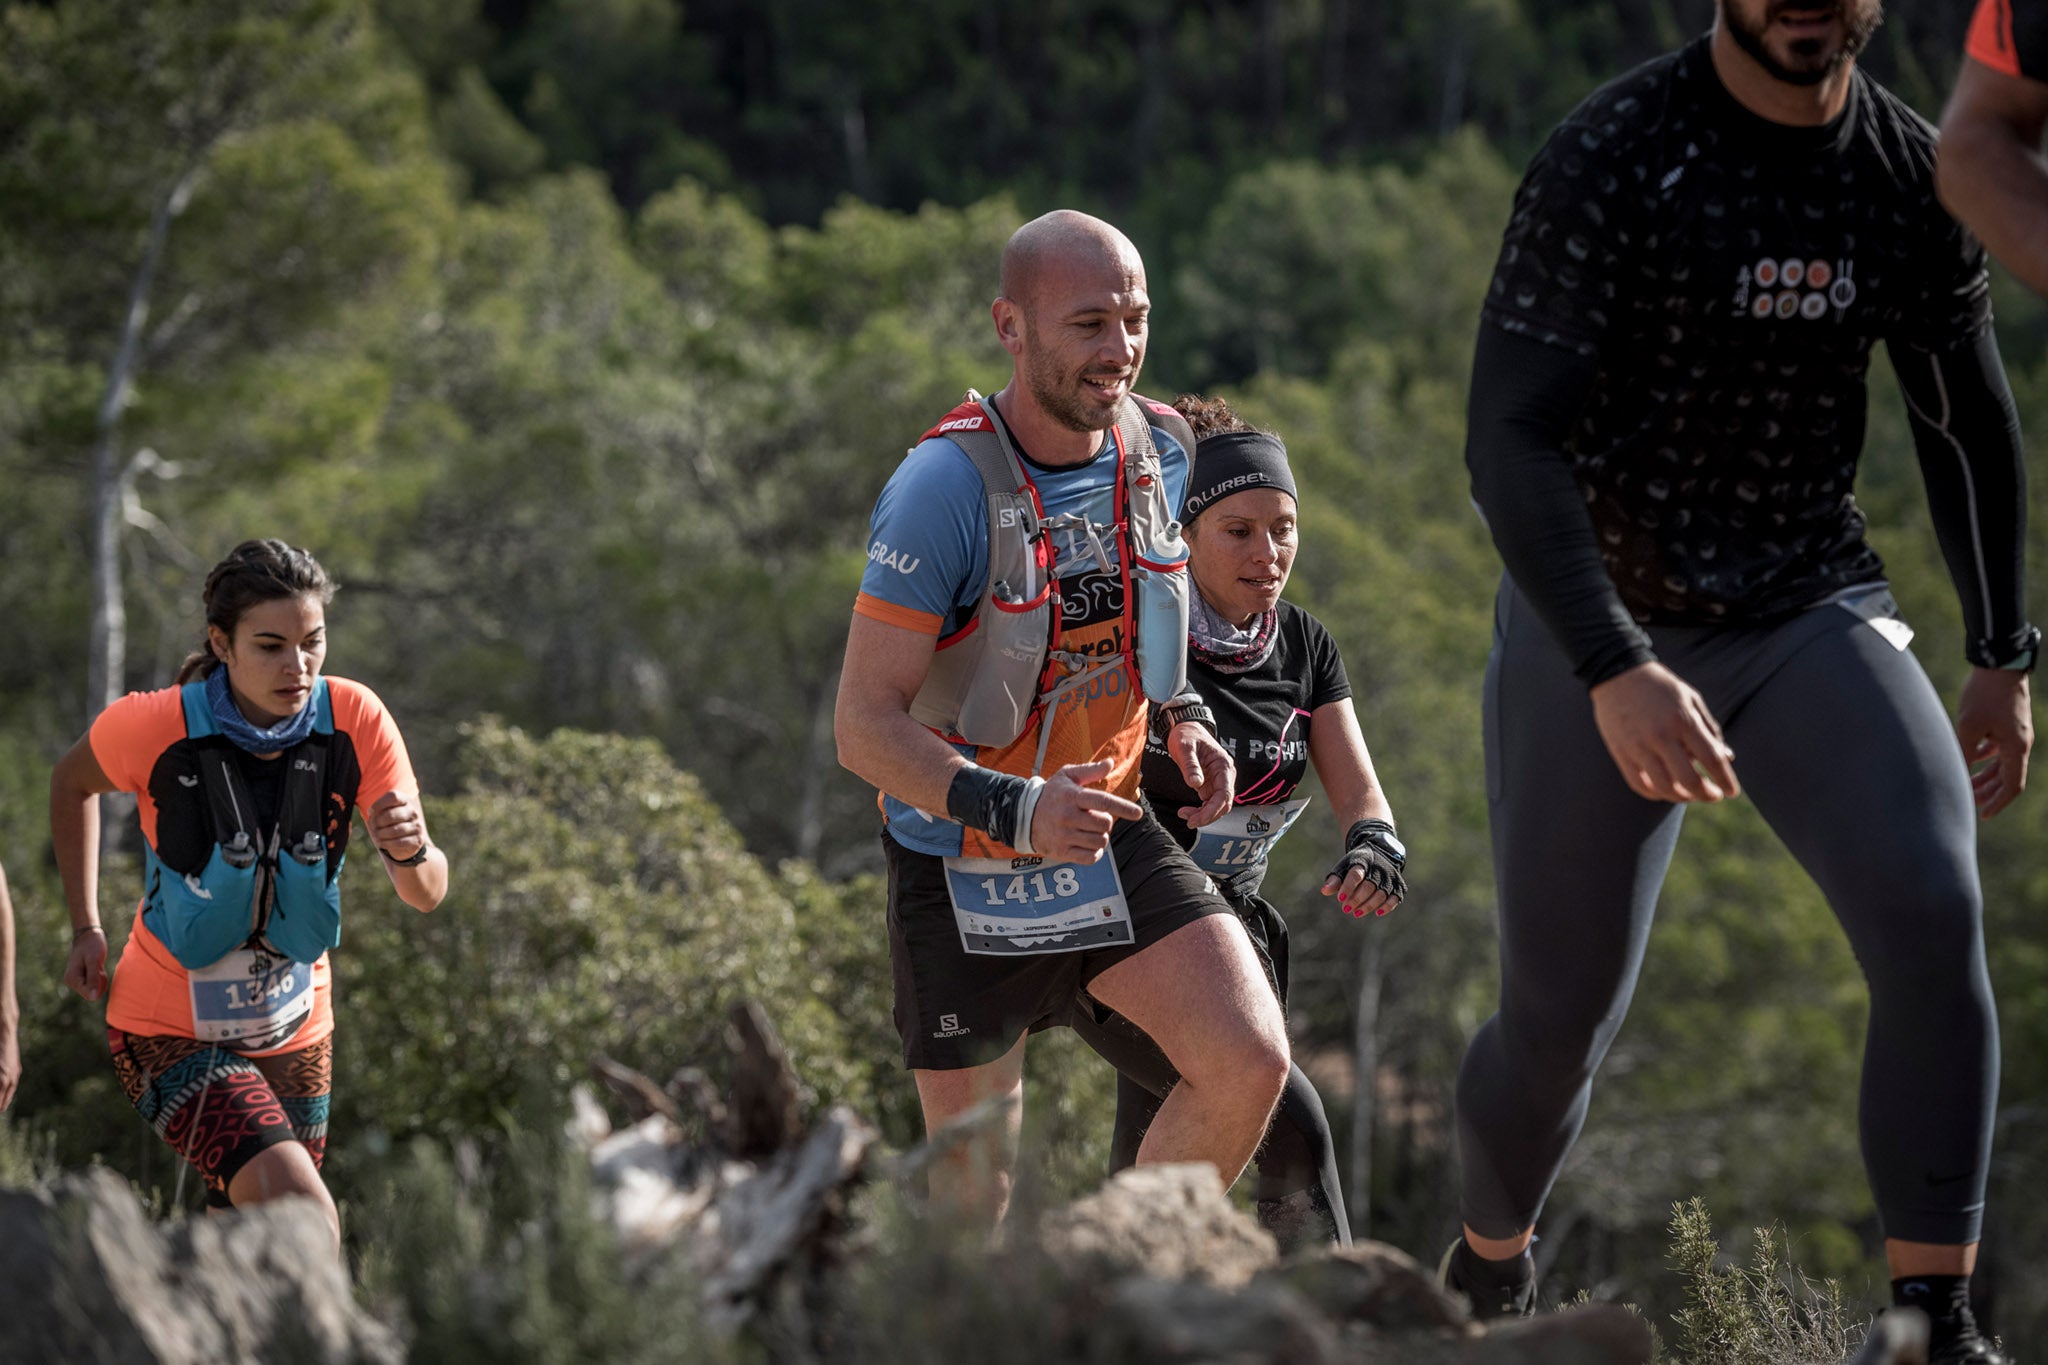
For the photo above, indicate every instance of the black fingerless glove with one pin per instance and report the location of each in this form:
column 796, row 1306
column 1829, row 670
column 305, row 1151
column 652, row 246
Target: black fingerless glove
column 1371, row 846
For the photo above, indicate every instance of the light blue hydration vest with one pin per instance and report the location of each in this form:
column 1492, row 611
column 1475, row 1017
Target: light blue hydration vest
column 268, row 885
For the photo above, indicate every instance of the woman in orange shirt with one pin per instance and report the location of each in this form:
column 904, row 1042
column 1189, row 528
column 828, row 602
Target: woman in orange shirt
column 245, row 775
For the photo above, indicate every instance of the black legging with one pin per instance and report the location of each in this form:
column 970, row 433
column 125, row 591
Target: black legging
column 1297, row 1157
column 1850, row 757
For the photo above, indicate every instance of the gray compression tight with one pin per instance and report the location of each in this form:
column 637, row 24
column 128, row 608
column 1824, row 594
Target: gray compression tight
column 1846, row 751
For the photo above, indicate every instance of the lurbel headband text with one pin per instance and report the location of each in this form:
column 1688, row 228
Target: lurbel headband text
column 1232, row 461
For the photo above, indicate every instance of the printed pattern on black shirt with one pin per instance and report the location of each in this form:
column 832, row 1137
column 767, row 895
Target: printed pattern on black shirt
column 1257, row 719
column 1731, row 276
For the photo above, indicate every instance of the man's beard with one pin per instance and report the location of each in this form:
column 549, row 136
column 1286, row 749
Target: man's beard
column 1069, row 405
column 1815, row 62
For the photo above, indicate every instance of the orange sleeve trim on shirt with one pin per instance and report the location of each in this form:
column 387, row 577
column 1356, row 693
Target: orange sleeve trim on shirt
column 380, row 748
column 889, row 614
column 1991, row 40
column 129, row 736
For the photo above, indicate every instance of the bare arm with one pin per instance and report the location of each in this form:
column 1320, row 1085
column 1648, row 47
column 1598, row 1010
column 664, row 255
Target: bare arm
column 1989, row 168
column 76, row 784
column 10, row 1005
column 398, row 827
column 1336, row 746
column 880, row 742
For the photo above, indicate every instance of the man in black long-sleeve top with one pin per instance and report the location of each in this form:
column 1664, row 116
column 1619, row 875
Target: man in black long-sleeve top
column 1666, row 417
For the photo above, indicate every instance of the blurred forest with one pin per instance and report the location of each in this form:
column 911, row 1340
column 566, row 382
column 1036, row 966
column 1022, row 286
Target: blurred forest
column 577, row 337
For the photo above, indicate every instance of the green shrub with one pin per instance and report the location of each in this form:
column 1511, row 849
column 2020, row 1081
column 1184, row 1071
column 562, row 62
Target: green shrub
column 1764, row 1313
column 598, row 903
column 501, row 1260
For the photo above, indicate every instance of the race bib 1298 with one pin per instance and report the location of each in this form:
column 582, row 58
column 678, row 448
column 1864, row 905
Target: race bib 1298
column 1242, row 836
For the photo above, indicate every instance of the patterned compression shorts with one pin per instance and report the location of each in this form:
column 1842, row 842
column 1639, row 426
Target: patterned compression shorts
column 220, row 1109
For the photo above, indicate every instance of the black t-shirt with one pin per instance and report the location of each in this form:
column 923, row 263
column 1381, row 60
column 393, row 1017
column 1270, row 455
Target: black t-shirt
column 1262, row 718
column 1730, row 276
column 2011, row 36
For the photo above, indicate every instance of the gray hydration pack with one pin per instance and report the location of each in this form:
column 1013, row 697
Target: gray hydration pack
column 994, row 676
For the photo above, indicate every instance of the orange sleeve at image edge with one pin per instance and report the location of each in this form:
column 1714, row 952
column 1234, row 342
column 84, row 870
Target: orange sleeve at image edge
column 1990, row 40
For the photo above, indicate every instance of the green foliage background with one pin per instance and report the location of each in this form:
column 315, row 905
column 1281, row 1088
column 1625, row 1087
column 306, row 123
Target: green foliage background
column 577, row 336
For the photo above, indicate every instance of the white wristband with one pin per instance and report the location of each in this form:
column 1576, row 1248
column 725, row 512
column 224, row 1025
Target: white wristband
column 1026, row 805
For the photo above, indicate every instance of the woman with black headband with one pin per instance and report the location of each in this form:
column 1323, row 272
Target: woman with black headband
column 1272, row 680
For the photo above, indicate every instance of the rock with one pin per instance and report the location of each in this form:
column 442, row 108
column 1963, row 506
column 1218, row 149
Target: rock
column 1899, row 1337
column 89, row 1278
column 1158, row 1267
column 1168, row 1222
column 1590, row 1334
column 1161, row 1322
column 1372, row 1282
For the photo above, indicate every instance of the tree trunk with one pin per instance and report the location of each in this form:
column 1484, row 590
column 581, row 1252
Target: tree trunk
column 819, row 762
column 853, row 127
column 1451, row 110
column 107, row 663
column 1272, row 71
column 1365, row 1066
column 1336, row 104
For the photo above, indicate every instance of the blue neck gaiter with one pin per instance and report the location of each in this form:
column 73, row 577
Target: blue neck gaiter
column 231, row 722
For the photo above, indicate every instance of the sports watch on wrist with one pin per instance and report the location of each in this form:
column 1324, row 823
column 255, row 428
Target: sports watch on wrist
column 419, row 855
column 1170, row 714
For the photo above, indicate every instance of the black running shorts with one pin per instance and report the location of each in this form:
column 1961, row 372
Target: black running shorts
column 956, row 1009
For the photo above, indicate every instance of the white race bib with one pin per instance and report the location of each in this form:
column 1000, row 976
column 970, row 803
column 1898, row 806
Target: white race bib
column 1242, row 836
column 251, row 998
column 1003, row 908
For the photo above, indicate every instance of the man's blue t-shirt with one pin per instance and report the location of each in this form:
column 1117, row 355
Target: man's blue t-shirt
column 928, row 559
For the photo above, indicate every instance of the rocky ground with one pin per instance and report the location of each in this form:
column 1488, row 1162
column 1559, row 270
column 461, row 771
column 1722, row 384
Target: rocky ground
column 783, row 1226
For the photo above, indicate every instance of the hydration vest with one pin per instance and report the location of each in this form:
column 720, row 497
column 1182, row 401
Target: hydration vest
column 271, row 884
column 996, row 675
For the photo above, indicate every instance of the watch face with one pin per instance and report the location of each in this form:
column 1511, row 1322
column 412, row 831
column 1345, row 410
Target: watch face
column 1392, row 845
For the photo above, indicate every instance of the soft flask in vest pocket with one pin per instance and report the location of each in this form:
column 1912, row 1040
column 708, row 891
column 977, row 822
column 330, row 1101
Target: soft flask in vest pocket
column 1159, row 581
column 204, row 916
column 305, row 916
column 1162, row 591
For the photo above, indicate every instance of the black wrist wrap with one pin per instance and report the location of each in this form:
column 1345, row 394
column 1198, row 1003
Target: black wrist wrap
column 988, row 801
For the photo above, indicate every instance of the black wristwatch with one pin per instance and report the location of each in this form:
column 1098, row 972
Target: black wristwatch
column 1170, row 714
column 419, row 855
column 1380, row 834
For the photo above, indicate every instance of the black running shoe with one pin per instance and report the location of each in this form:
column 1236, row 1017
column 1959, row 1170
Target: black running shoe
column 1494, row 1290
column 1970, row 1348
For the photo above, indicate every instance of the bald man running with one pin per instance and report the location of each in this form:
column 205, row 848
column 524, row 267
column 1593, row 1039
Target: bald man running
column 1023, row 864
